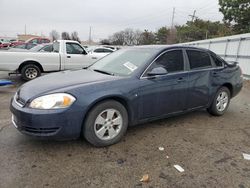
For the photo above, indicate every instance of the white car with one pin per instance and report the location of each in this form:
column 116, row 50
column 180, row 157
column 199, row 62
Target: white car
column 66, row 55
column 100, row 52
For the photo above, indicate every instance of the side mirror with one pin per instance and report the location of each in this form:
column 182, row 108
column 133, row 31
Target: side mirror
column 157, row 71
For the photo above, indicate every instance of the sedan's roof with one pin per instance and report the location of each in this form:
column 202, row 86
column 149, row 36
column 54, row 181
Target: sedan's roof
column 164, row 47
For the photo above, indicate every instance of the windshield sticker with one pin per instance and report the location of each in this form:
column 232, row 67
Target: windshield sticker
column 130, row 66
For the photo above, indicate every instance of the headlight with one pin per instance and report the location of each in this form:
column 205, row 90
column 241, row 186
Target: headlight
column 53, row 101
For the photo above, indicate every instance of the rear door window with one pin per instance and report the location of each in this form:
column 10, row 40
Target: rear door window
column 107, row 51
column 34, row 41
column 45, row 41
column 217, row 61
column 198, row 59
column 99, row 50
column 21, row 46
column 30, row 45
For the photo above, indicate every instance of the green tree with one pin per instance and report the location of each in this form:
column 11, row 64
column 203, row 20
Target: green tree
column 201, row 29
column 128, row 37
column 236, row 12
column 162, row 35
column 147, row 37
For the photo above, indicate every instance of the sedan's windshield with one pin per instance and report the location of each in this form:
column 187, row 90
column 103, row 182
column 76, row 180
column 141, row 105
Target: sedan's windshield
column 36, row 48
column 123, row 62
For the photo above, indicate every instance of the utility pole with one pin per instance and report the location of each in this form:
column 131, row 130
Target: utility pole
column 25, row 29
column 172, row 24
column 171, row 36
column 90, row 30
column 193, row 16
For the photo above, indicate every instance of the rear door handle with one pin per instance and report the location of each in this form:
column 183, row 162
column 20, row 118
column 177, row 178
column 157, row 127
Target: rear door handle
column 68, row 56
column 181, row 80
column 215, row 74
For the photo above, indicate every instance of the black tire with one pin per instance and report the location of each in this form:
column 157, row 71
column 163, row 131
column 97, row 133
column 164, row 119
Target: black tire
column 89, row 127
column 30, row 72
column 213, row 109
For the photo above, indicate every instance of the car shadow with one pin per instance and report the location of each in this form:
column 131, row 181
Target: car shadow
column 171, row 122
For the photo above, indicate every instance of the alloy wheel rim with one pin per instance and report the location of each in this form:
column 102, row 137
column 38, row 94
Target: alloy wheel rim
column 222, row 101
column 108, row 124
column 31, row 73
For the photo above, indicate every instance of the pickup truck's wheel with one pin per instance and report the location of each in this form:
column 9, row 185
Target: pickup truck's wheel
column 30, row 72
column 220, row 102
column 106, row 123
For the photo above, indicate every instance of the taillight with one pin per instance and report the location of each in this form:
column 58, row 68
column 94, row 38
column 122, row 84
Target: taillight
column 241, row 73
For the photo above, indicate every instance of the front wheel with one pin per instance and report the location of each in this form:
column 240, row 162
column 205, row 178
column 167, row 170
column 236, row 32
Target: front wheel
column 106, row 123
column 220, row 102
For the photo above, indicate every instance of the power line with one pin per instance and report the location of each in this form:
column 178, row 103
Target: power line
column 153, row 14
column 147, row 19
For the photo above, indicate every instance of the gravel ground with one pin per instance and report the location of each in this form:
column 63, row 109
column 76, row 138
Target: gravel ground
column 208, row 148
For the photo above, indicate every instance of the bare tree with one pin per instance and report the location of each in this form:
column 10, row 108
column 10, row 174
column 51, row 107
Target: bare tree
column 74, row 36
column 65, row 36
column 54, row 35
column 137, row 37
column 105, row 42
column 126, row 37
column 118, row 38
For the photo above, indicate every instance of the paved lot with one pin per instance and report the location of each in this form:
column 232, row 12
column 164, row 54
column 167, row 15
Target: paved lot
column 208, row 148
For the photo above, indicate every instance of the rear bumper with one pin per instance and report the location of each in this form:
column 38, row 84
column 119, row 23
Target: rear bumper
column 60, row 124
column 237, row 88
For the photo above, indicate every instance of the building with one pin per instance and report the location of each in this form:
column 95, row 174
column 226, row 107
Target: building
column 23, row 37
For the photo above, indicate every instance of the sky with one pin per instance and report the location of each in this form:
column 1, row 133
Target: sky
column 103, row 16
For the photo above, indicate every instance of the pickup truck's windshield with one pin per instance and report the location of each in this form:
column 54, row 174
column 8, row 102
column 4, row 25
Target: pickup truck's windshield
column 123, row 62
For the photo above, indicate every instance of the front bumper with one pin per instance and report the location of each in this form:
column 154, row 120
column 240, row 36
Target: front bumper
column 59, row 124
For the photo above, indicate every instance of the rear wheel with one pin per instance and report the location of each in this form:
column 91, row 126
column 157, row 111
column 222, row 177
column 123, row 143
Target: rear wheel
column 106, row 123
column 30, row 72
column 220, row 102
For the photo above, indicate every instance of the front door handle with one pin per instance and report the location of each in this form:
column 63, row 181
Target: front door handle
column 68, row 56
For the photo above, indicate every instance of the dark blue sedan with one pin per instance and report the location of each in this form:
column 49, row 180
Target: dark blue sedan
column 128, row 87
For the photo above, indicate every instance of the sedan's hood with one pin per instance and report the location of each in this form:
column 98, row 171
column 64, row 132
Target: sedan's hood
column 60, row 80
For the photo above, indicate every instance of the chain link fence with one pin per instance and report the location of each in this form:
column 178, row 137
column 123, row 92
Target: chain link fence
column 232, row 48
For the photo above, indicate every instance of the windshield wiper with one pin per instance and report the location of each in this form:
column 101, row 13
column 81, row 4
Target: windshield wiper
column 104, row 72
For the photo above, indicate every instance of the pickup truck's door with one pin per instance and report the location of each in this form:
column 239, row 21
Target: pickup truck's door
column 76, row 57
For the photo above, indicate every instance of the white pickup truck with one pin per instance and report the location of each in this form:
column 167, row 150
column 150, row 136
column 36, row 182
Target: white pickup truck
column 66, row 55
